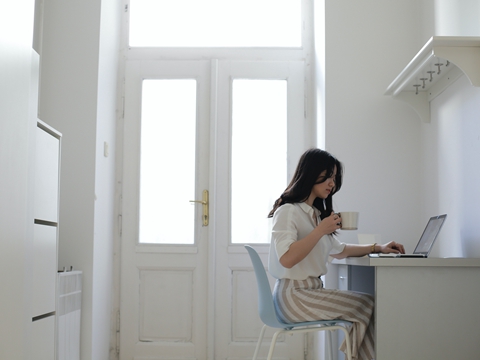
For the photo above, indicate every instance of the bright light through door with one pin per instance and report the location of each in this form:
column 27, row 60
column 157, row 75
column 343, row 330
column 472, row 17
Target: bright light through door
column 215, row 23
column 259, row 156
column 167, row 165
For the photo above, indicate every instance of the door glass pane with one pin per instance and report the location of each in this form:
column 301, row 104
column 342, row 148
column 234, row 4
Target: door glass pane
column 167, row 164
column 259, row 156
column 215, row 23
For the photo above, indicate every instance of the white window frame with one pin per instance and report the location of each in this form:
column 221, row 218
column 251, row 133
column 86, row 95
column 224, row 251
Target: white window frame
column 238, row 53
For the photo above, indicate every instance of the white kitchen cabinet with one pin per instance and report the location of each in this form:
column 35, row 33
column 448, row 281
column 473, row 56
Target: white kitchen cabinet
column 45, row 241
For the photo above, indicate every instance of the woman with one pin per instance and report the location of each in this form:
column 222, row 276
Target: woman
column 303, row 237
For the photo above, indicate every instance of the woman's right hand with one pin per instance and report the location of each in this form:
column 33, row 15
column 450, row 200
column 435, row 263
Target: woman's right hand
column 330, row 224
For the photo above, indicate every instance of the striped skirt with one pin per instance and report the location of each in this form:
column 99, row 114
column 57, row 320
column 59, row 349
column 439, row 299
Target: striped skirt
column 307, row 300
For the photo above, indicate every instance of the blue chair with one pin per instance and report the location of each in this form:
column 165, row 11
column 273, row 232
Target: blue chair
column 268, row 314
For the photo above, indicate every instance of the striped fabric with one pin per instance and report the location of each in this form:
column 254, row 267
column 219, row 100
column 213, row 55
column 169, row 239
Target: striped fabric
column 307, row 300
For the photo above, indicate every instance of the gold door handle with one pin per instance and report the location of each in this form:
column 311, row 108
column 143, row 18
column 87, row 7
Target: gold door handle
column 204, row 202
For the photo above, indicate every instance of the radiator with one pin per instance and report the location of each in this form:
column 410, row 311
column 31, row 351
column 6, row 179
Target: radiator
column 69, row 301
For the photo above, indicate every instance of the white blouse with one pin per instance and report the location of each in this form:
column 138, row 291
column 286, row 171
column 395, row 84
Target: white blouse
column 292, row 222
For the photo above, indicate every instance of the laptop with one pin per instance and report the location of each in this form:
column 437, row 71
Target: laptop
column 426, row 241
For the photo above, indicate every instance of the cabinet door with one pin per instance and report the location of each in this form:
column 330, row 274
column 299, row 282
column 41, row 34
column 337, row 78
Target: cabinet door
column 43, row 339
column 46, row 176
column 44, row 269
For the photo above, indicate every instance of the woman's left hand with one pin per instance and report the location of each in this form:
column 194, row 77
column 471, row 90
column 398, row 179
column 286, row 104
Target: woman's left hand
column 392, row 247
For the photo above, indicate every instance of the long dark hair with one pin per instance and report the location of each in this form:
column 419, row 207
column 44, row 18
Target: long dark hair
column 311, row 164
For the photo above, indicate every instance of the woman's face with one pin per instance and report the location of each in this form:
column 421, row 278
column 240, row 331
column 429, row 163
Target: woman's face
column 324, row 189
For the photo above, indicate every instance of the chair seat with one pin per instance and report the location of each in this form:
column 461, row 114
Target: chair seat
column 313, row 323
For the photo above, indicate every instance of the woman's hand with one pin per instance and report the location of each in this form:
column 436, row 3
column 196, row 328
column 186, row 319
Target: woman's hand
column 391, row 247
column 330, row 224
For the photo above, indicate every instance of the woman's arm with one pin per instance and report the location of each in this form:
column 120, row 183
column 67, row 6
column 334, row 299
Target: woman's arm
column 301, row 248
column 354, row 250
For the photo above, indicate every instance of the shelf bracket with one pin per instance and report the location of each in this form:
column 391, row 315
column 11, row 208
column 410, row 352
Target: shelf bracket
column 419, row 103
column 466, row 58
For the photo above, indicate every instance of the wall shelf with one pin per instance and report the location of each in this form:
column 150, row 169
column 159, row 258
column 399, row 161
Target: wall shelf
column 441, row 61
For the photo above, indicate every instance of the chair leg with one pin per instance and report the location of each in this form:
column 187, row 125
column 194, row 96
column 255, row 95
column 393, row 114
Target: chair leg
column 272, row 344
column 328, row 335
column 259, row 342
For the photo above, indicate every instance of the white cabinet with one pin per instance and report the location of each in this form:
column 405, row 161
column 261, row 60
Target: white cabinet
column 45, row 241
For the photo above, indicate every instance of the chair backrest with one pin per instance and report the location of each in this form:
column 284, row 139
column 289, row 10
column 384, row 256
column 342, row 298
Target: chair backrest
column 266, row 308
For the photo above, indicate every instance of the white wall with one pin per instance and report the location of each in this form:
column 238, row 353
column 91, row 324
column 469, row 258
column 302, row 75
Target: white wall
column 18, row 76
column 78, row 97
column 377, row 138
column 457, row 18
column 398, row 170
column 451, row 144
column 451, row 148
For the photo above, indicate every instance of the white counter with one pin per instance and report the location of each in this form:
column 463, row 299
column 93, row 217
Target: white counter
column 425, row 309
column 443, row 262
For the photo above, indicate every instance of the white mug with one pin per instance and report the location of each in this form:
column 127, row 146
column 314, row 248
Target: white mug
column 349, row 220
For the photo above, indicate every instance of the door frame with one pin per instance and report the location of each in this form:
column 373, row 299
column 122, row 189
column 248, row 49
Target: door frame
column 305, row 53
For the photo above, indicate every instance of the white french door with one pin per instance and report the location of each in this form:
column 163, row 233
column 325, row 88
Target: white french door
column 188, row 289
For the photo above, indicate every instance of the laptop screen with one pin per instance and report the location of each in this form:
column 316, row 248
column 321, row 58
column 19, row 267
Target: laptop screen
column 430, row 234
